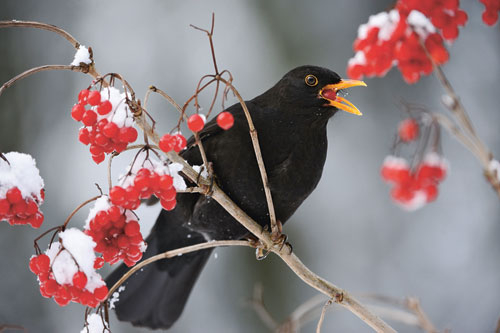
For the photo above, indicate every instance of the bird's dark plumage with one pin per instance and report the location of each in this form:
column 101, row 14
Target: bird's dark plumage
column 291, row 120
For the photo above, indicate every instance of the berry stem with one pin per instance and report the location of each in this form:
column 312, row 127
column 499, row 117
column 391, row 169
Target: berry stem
column 76, row 210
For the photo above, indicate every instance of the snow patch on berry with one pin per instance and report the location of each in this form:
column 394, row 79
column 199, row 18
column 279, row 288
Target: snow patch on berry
column 21, row 173
column 100, row 204
column 81, row 55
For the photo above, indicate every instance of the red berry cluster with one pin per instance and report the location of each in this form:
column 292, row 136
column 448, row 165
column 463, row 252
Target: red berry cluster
column 40, row 265
column 18, row 210
column 490, row 14
column 396, row 37
column 444, row 14
column 176, row 142
column 101, row 130
column 408, row 130
column 413, row 189
column 143, row 184
column 196, row 122
column 117, row 235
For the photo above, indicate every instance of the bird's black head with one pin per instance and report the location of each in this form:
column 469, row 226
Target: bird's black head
column 313, row 88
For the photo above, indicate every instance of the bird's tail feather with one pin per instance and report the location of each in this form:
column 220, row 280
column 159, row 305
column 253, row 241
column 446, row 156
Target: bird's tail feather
column 156, row 295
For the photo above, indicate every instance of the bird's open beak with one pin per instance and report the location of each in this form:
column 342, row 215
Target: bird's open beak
column 329, row 92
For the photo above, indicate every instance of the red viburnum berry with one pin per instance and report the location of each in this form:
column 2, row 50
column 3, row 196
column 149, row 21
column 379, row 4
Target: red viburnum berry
column 89, row 118
column 94, row 98
column 82, row 96
column 77, row 112
column 195, row 123
column 408, row 130
column 166, row 143
column 80, row 280
column 225, row 120
column 180, row 142
column 84, row 136
column 98, row 262
column 104, row 108
column 14, row 195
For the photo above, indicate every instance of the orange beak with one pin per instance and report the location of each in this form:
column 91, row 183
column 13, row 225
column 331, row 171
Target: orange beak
column 329, row 92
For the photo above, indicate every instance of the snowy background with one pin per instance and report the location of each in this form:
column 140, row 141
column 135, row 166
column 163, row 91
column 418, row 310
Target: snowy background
column 348, row 231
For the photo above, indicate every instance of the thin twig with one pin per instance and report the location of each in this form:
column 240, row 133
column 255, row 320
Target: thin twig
column 258, row 155
column 173, row 253
column 257, row 303
column 80, row 206
column 43, row 26
column 37, row 70
column 322, row 317
column 413, row 304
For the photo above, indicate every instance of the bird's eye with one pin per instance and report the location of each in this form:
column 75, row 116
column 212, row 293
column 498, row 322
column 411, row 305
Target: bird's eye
column 311, row 80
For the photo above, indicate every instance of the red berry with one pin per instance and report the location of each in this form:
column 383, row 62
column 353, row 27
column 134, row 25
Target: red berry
column 117, row 195
column 43, row 263
column 94, row 98
column 80, row 280
column 89, row 118
column 32, row 207
column 82, row 96
column 122, row 241
column 101, row 293
column 83, row 136
column 98, row 158
column 104, row 108
column 128, row 134
column 33, row 264
column 166, row 182
column 131, row 194
column 168, row 194
column 132, row 228
column 225, row 120
column 179, row 142
column 195, row 123
column 166, row 143
column 77, row 112
column 14, row 195
column 98, row 263
column 408, row 130
column 110, row 130
column 50, row 287
column 102, row 217
column 168, row 205
column 114, row 213
column 4, row 207
column 37, row 220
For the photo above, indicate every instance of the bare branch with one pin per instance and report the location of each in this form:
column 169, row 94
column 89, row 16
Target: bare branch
column 322, row 317
column 37, row 70
column 173, row 253
column 43, row 26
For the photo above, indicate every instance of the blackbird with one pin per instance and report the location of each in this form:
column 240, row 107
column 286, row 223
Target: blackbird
column 291, row 120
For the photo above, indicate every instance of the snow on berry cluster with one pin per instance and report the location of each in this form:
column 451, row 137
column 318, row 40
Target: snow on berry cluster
column 21, row 190
column 414, row 188
column 116, row 232
column 95, row 324
column 145, row 177
column 108, row 122
column 395, row 38
column 66, row 271
column 490, row 14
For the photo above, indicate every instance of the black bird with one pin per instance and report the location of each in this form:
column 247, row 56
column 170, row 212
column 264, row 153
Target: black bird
column 291, row 120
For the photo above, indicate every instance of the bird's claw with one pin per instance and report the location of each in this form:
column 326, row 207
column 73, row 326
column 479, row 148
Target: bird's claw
column 279, row 238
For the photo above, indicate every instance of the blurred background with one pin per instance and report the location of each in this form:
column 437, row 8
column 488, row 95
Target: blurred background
column 348, row 231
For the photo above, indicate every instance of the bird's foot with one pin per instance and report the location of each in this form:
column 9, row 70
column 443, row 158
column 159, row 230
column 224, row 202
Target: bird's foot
column 279, row 238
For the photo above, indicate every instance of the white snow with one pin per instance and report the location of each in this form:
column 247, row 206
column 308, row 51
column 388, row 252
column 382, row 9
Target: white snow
column 120, row 114
column 385, row 21
column 95, row 324
column 203, row 173
column 420, row 24
column 23, row 173
column 396, row 162
column 434, row 159
column 418, row 201
column 494, row 167
column 81, row 55
column 358, row 59
column 115, row 297
column 78, row 249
